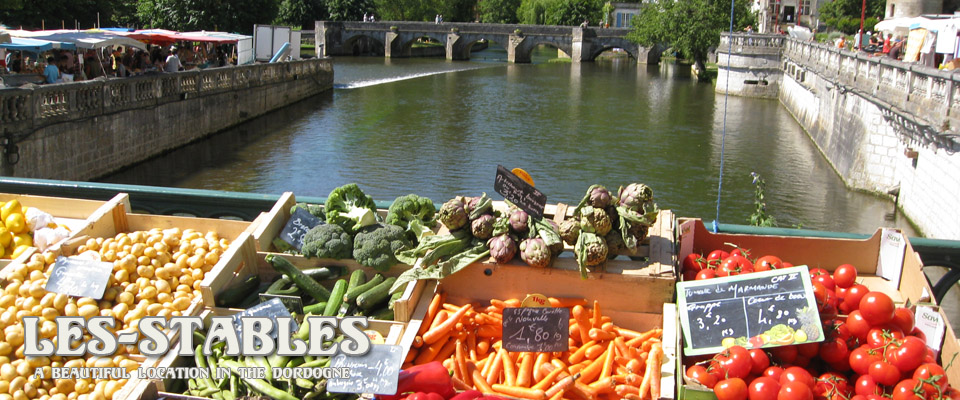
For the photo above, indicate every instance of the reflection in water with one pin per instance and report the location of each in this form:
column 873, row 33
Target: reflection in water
column 570, row 125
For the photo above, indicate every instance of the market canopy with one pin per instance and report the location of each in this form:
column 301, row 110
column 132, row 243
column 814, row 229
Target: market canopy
column 4, row 37
column 26, row 44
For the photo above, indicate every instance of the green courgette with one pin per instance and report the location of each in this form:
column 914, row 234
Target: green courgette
column 393, row 299
column 352, row 294
column 336, row 298
column 304, row 282
column 373, row 297
column 324, row 273
column 383, row 314
column 238, row 293
column 317, row 308
column 357, row 278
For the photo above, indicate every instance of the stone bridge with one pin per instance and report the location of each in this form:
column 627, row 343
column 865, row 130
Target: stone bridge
column 395, row 39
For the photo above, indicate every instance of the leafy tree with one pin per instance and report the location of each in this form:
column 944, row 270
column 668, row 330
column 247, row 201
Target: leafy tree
column 32, row 14
column 844, row 15
column 533, row 12
column 348, row 10
column 499, row 11
column 302, row 13
column 458, row 10
column 400, row 10
column 574, row 12
column 691, row 27
column 188, row 15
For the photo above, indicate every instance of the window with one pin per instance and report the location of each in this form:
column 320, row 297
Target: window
column 805, row 7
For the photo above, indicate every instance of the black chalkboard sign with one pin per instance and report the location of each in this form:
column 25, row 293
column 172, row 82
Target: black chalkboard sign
column 79, row 277
column 272, row 308
column 374, row 373
column 756, row 310
column 297, row 226
column 519, row 192
column 536, row 329
column 294, row 304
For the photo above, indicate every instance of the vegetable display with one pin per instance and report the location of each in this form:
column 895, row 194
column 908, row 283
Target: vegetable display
column 604, row 360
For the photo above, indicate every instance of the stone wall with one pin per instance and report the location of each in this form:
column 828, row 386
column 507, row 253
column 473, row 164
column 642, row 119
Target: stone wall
column 749, row 65
column 85, row 130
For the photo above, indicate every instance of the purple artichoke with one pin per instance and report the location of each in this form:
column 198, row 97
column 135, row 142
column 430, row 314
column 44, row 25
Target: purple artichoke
column 482, row 227
column 634, row 195
column 592, row 250
column 502, row 248
column 452, row 215
column 518, row 221
column 595, row 220
column 535, row 253
column 570, row 230
column 599, row 196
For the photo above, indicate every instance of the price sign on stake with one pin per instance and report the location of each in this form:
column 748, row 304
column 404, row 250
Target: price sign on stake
column 519, row 192
column 79, row 277
column 757, row 310
column 536, row 329
column 272, row 309
column 297, row 226
column 375, row 372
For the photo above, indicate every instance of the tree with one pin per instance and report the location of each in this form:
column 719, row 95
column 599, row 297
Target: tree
column 533, row 12
column 400, row 10
column 348, row 10
column 189, row 15
column 844, row 15
column 37, row 14
column 573, row 12
column 499, row 11
column 691, row 27
column 301, row 13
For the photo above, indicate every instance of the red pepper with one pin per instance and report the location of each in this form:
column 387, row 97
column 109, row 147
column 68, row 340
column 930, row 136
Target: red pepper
column 425, row 396
column 431, row 377
column 468, row 395
column 489, row 397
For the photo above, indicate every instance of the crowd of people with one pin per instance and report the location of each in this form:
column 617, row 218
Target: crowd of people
column 58, row 65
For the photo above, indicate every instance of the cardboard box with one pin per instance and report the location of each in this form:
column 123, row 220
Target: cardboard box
column 885, row 262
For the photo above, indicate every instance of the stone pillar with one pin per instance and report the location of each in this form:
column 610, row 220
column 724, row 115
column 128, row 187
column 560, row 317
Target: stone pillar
column 391, row 45
column 580, row 48
column 327, row 38
column 649, row 55
column 452, row 47
column 515, row 51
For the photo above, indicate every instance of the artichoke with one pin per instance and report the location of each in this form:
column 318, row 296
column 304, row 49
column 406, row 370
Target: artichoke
column 599, row 196
column 634, row 195
column 502, row 248
column 535, row 253
column 452, row 215
column 518, row 221
column 595, row 220
column 482, row 227
column 591, row 251
column 570, row 230
column 477, row 206
column 615, row 244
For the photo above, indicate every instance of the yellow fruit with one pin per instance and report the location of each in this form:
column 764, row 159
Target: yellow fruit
column 5, row 237
column 15, row 223
column 18, row 251
column 23, row 239
column 800, row 337
column 10, row 207
column 3, row 252
column 728, row 342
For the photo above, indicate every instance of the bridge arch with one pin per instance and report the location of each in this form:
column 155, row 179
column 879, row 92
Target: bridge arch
column 630, row 51
column 407, row 40
column 360, row 43
column 530, row 43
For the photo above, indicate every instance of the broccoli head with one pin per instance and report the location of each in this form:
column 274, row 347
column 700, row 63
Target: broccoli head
column 413, row 213
column 313, row 209
column 327, row 241
column 350, row 208
column 376, row 246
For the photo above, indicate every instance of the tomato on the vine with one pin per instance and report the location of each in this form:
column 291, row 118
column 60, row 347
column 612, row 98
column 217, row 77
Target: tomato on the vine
column 794, row 391
column 907, row 354
column 714, row 258
column 851, row 300
column 818, row 271
column 884, row 373
column 764, row 388
column 707, row 273
column 767, row 263
column 699, row 374
column 797, row 374
column 735, row 361
column 785, row 354
column 903, row 319
column 734, row 265
column 759, row 361
column 845, row 275
column 694, row 262
column 773, row 372
column 931, row 372
column 877, row 308
column 833, row 350
column 740, row 251
column 731, row 389
column 907, row 389
column 826, row 280
column 877, row 337
column 862, row 357
column 866, row 385
column 858, row 326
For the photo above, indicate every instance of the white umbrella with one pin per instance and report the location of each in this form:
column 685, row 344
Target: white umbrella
column 899, row 24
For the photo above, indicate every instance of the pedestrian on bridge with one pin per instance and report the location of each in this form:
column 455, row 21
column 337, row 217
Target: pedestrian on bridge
column 436, row 19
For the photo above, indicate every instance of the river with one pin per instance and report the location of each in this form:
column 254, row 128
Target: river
column 439, row 128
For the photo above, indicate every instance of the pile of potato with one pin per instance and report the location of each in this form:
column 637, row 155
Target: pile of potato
column 155, row 273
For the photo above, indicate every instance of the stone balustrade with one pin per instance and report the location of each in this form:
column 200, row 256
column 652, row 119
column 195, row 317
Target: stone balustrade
column 750, row 43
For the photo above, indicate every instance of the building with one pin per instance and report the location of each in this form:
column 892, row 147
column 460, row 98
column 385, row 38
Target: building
column 912, row 8
column 776, row 15
column 622, row 14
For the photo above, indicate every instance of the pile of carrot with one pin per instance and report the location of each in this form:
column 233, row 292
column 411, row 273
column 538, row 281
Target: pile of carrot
column 603, row 362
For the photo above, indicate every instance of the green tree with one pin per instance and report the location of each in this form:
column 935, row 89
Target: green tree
column 33, row 14
column 188, row 15
column 844, row 15
column 400, row 10
column 499, row 11
column 301, row 13
column 349, row 10
column 691, row 27
column 533, row 12
column 574, row 12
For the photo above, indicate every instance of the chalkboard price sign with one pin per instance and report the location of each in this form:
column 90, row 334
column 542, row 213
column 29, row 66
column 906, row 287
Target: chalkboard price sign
column 79, row 277
column 757, row 310
column 375, row 372
column 536, row 329
column 300, row 222
column 519, row 192
column 273, row 308
column 294, row 304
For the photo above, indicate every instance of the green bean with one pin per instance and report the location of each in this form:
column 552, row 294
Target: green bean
column 304, row 383
column 259, row 385
column 208, row 391
column 276, row 360
column 228, row 395
column 260, row 361
column 321, row 362
column 202, row 363
column 217, row 396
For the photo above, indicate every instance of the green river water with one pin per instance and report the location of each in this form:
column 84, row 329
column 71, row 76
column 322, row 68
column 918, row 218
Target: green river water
column 439, row 128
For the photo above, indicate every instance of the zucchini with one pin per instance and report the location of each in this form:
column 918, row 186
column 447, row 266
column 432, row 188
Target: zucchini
column 357, row 278
column 352, row 294
column 324, row 273
column 336, row 298
column 304, row 282
column 315, row 308
column 238, row 293
column 373, row 297
column 393, row 299
column 383, row 314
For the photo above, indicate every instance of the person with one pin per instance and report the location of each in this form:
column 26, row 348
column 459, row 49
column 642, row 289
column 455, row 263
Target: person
column 748, row 29
column 436, row 19
column 51, row 72
column 441, row 18
column 173, row 61
column 896, row 48
column 886, row 44
column 856, row 39
column 867, row 40
column 842, row 42
column 16, row 63
column 364, row 17
column 372, row 18
column 584, row 24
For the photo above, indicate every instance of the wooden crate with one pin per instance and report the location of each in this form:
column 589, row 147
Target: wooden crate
column 391, row 331
column 622, row 300
column 872, row 257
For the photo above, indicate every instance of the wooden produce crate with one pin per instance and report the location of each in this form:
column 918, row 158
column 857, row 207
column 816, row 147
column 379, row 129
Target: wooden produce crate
column 391, row 331
column 626, row 301
column 657, row 246
column 885, row 262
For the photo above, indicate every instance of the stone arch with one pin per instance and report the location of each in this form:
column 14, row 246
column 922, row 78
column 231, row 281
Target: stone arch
column 631, row 51
column 532, row 42
column 408, row 39
column 363, row 43
column 464, row 44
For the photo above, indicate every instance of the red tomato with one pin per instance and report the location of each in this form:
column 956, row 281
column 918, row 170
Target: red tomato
column 851, row 301
column 884, row 373
column 818, row 271
column 877, row 337
column 797, row 374
column 858, row 397
column 866, row 385
column 907, row 389
column 767, row 263
column 742, row 252
column 903, row 319
column 785, row 354
column 833, row 350
column 694, row 262
column 734, row 265
column 845, row 275
column 877, row 308
column 931, row 370
column 759, row 361
column 699, row 374
column 735, row 361
column 858, row 326
column 951, row 393
column 825, row 280
column 764, row 388
column 787, row 265
column 731, row 389
column 714, row 258
column 862, row 357
column 773, row 372
column 794, row 391
column 706, row 274
column 908, row 355
column 808, row 350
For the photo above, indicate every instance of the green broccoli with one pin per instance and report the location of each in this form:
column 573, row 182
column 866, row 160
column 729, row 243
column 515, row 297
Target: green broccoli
column 327, row 241
column 413, row 213
column 313, row 209
column 376, row 246
column 350, row 208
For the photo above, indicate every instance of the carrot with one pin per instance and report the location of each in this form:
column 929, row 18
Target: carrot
column 537, row 372
column 566, row 302
column 604, row 385
column 548, row 379
column 558, row 363
column 450, row 364
column 483, row 363
column 623, row 390
column 599, row 334
column 411, row 355
column 594, row 351
column 512, row 302
column 607, row 369
column 509, row 369
column 478, row 380
column 431, row 312
column 483, row 347
column 562, row 384
column 441, row 316
column 490, row 331
column 493, row 374
column 583, row 323
column 519, row 392
column 591, row 372
column 649, row 344
column 558, row 395
column 429, row 353
column 447, row 350
column 655, row 355
column 417, row 342
column 609, row 327
column 472, row 345
column 578, row 367
column 461, row 357
column 634, row 366
column 499, row 304
column 459, row 384
column 596, row 315
column 406, row 365
column 621, row 346
column 639, row 339
column 436, row 332
column 631, row 396
column 653, row 364
column 525, row 373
